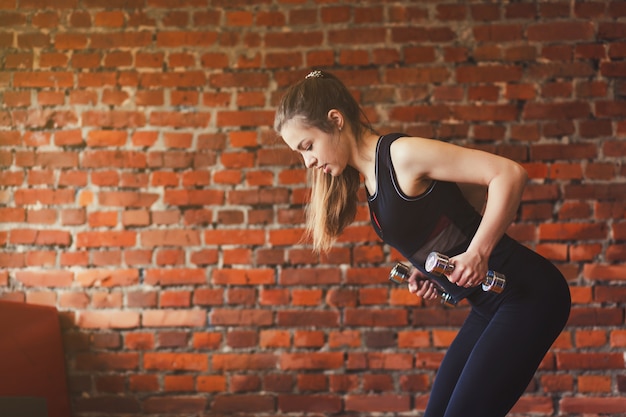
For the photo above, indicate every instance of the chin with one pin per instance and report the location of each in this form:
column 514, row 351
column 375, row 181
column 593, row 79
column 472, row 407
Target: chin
column 333, row 173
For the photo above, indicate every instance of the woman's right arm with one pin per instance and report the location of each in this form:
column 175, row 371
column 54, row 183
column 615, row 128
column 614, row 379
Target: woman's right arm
column 421, row 286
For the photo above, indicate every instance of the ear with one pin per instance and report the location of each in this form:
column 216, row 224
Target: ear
column 336, row 118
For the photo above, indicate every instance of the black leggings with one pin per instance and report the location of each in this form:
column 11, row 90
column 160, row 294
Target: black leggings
column 503, row 340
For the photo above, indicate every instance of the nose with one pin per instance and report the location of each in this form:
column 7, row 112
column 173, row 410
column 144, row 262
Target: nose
column 309, row 161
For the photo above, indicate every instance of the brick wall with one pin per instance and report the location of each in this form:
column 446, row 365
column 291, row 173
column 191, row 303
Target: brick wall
column 144, row 195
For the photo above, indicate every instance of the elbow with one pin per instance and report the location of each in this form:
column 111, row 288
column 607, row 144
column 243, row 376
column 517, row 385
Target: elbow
column 520, row 174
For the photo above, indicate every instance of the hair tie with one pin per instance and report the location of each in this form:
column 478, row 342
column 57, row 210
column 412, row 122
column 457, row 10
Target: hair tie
column 315, row 74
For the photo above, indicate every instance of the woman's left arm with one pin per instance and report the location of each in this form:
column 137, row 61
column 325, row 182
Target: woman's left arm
column 505, row 181
column 505, row 188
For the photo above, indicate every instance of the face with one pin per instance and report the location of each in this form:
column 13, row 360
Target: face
column 320, row 150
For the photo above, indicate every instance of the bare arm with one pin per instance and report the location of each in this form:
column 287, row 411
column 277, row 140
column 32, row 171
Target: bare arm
column 417, row 161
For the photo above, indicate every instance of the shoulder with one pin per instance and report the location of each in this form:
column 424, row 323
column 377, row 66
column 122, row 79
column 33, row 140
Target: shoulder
column 407, row 148
column 417, row 148
column 421, row 157
column 411, row 158
column 406, row 154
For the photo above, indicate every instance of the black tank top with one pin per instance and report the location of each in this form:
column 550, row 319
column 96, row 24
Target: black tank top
column 440, row 219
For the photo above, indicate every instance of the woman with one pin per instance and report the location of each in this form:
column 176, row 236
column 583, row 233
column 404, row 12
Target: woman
column 417, row 206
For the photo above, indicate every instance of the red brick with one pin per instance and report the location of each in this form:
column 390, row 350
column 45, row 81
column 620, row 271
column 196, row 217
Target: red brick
column 566, row 171
column 489, row 73
column 173, row 318
column 307, row 318
column 343, row 383
column 45, row 278
column 46, row 197
column 560, row 31
column 239, row 18
column 312, row 382
column 275, row 339
column 108, row 404
column 600, row 171
column 590, row 338
column 618, row 338
column 274, row 297
column 604, row 272
column 563, row 152
column 592, row 316
column 435, row 74
column 175, row 361
column 174, row 404
column 69, row 137
column 311, row 361
column 98, row 239
column 387, row 317
column 108, row 319
column 139, row 341
column 339, row 14
column 193, row 197
column 243, row 403
column 483, row 93
column 245, row 118
column 245, row 383
column 310, row 403
column 306, row 297
column 240, row 317
column 175, row 119
column 595, row 405
column 310, row 276
column 107, row 361
column 616, row 253
column 498, row 33
column 378, row 403
column 557, row 383
column 274, row 18
column 584, row 252
column 309, row 339
column 598, row 191
column 422, row 34
column 487, row 112
column 614, row 148
column 241, row 362
column 206, row 383
column 566, row 231
column 594, row 384
column 534, row 405
column 143, row 383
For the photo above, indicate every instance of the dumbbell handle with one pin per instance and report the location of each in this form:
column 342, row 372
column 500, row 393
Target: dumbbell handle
column 400, row 274
column 439, row 264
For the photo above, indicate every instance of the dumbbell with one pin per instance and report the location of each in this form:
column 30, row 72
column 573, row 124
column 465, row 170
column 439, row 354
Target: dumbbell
column 439, row 264
column 400, row 274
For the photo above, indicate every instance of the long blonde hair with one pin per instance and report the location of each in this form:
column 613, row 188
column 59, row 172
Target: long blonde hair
column 333, row 202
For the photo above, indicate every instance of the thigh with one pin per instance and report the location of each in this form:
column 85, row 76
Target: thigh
column 453, row 363
column 503, row 341
column 504, row 360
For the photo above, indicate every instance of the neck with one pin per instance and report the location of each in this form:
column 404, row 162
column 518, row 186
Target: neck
column 363, row 157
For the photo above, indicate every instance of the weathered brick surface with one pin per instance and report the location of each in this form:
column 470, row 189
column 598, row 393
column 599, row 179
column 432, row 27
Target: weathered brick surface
column 144, row 195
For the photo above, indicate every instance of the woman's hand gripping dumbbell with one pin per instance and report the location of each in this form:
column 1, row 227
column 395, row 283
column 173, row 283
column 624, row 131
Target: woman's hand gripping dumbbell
column 437, row 263
column 400, row 274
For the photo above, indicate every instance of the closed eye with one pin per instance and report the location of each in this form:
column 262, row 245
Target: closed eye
column 304, row 146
